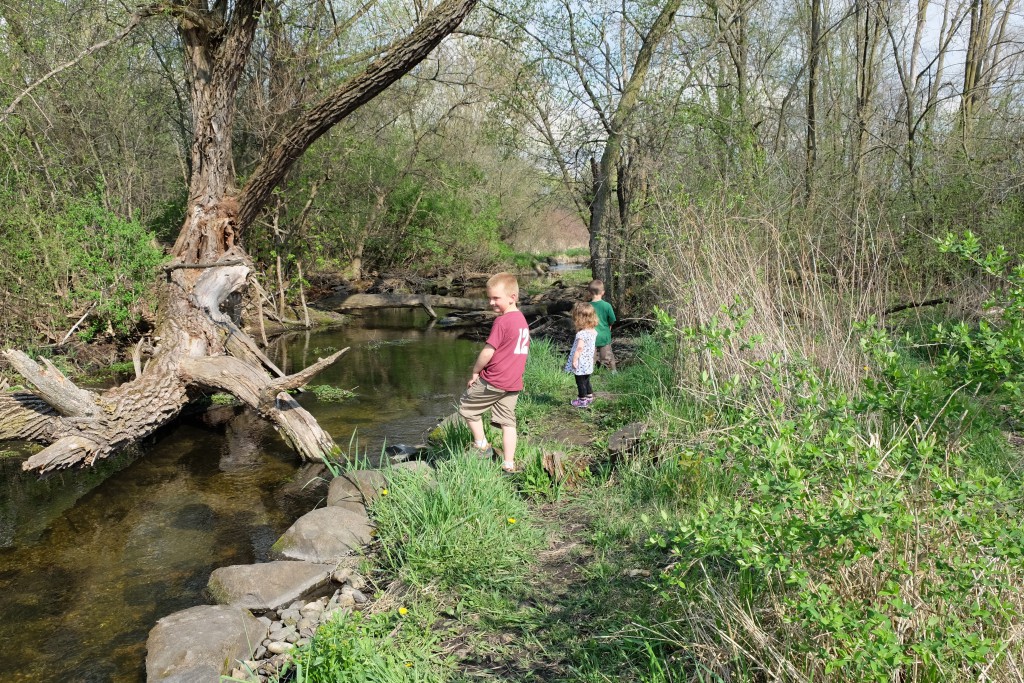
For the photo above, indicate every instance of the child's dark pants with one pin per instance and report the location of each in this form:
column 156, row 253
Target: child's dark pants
column 583, row 385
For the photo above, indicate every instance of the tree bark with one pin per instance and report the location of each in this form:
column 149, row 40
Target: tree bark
column 811, row 143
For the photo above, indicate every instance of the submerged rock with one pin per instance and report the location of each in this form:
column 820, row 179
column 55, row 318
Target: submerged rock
column 401, row 452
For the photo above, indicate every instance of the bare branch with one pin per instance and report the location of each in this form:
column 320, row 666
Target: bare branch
column 136, row 19
column 302, row 377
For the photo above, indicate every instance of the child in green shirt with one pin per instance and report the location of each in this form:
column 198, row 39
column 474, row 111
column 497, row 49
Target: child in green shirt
column 605, row 318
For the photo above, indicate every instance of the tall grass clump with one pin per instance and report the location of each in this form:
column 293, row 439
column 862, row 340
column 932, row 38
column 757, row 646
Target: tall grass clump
column 463, row 529
column 802, row 299
column 868, row 535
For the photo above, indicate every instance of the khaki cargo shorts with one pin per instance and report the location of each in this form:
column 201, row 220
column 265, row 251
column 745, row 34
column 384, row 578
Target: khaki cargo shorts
column 605, row 356
column 481, row 396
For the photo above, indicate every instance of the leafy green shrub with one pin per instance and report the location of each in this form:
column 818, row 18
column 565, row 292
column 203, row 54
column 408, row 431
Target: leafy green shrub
column 465, row 528
column 68, row 259
column 112, row 261
column 987, row 357
column 871, row 533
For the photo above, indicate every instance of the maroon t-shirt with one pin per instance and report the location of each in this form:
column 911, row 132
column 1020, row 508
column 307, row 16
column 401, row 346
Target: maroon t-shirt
column 510, row 337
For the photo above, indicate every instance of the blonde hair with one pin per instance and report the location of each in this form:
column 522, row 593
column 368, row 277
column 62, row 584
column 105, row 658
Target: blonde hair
column 506, row 280
column 584, row 317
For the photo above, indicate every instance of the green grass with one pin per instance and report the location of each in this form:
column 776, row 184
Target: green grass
column 398, row 646
column 523, row 260
column 545, row 384
column 464, row 529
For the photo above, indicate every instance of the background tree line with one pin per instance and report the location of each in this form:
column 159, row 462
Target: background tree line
column 805, row 154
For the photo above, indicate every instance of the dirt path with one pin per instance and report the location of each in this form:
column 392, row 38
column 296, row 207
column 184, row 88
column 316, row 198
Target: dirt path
column 573, row 598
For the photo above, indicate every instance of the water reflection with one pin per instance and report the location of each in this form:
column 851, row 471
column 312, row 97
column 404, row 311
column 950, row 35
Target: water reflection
column 90, row 560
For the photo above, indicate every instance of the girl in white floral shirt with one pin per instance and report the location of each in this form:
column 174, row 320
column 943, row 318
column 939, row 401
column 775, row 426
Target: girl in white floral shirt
column 581, row 357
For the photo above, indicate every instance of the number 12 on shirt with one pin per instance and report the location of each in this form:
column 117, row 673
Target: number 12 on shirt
column 523, row 345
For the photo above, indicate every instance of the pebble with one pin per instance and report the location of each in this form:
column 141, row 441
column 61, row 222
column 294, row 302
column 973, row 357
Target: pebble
column 301, row 642
column 359, row 597
column 297, row 605
column 291, row 637
column 281, row 634
column 291, row 617
column 266, row 621
column 341, row 575
column 311, row 610
column 279, row 648
column 346, row 602
column 306, row 633
column 357, row 581
column 260, row 651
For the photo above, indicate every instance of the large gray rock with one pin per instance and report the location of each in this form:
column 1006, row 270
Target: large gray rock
column 401, row 452
column 360, row 486
column 201, row 643
column 324, row 535
column 269, row 585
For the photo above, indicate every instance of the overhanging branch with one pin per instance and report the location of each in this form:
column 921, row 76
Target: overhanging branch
column 355, row 92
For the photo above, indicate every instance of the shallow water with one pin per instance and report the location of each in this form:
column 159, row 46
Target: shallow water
column 90, row 560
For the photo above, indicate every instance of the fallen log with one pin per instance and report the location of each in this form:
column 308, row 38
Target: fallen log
column 429, row 302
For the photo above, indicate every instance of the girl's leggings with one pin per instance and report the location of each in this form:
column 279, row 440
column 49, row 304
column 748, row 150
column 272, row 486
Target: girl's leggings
column 583, row 385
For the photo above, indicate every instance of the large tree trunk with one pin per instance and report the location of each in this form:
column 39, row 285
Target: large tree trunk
column 199, row 344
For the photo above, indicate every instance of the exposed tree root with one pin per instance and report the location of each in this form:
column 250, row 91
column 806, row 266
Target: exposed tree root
column 199, row 347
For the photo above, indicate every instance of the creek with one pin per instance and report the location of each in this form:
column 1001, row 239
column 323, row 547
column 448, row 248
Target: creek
column 89, row 560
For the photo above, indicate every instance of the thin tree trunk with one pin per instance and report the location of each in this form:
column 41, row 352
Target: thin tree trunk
column 605, row 170
column 281, row 305
column 302, row 296
column 811, row 147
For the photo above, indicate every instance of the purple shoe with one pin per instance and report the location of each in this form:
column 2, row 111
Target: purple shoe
column 579, row 403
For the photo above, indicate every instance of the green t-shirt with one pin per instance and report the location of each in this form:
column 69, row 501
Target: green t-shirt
column 605, row 318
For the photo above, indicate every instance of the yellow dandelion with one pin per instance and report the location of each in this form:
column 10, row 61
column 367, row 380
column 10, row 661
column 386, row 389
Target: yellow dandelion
column 408, row 665
column 403, row 611
column 511, row 520
column 383, row 492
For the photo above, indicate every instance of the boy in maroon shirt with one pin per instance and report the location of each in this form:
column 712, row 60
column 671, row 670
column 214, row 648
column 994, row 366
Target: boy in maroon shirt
column 497, row 375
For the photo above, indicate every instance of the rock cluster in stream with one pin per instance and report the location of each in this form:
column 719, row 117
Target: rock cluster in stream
column 266, row 609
